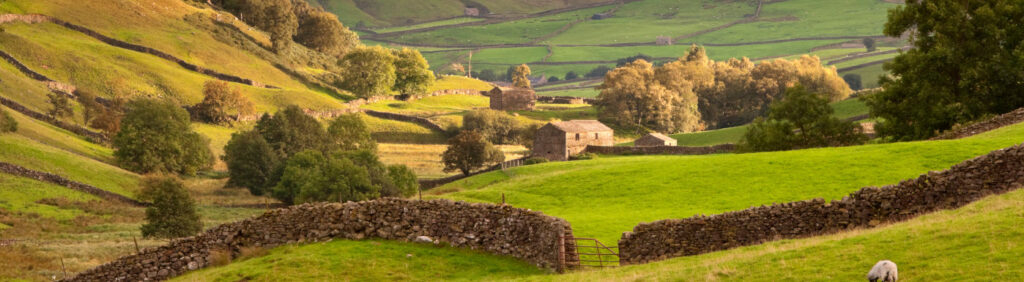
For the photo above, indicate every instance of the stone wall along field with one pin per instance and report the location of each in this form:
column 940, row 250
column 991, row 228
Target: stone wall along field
column 661, row 150
column 502, row 230
column 997, row 172
column 1014, row 117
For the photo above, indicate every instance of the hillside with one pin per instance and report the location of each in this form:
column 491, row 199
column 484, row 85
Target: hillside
column 375, row 14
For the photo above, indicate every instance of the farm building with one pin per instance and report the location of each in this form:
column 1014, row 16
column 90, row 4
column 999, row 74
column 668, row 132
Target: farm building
column 663, row 40
column 512, row 99
column 472, row 12
column 654, row 139
column 557, row 141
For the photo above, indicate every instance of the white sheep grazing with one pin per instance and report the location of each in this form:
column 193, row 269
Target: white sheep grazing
column 883, row 270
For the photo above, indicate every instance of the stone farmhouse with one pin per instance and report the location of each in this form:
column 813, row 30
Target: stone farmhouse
column 557, row 141
column 512, row 99
column 654, row 139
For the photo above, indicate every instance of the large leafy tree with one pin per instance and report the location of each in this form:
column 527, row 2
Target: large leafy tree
column 412, row 73
column 220, row 101
column 312, row 176
column 321, row 31
column 800, row 120
column 156, row 136
column 521, row 76
column 348, row 133
column 368, row 71
column 251, row 162
column 290, row 131
column 966, row 63
column 173, row 213
column 469, row 151
column 498, row 127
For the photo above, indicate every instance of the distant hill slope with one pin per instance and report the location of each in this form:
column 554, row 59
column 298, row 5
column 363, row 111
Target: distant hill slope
column 383, row 13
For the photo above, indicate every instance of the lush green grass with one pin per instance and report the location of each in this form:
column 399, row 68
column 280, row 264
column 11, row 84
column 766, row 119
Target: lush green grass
column 643, row 21
column 709, row 137
column 548, row 112
column 59, row 138
column 838, row 18
column 849, row 108
column 28, row 153
column 16, row 86
column 344, row 260
column 18, row 194
column 863, row 60
column 459, row 82
column 980, row 242
column 392, row 131
column 517, row 55
column 430, row 106
column 603, row 198
column 518, row 31
column 396, row 13
column 428, row 24
column 588, row 92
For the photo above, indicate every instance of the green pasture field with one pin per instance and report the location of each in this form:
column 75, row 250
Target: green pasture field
column 868, row 75
column 805, row 19
column 22, row 151
column 643, row 21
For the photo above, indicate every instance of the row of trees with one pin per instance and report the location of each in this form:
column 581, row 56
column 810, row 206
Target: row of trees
column 291, row 157
column 801, row 119
column 694, row 92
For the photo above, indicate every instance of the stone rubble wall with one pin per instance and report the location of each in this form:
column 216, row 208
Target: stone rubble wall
column 1014, row 117
column 997, row 172
column 496, row 229
column 17, row 170
column 89, row 135
column 661, row 150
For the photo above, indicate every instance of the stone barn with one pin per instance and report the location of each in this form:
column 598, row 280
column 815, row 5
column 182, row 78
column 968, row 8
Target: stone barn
column 663, row 40
column 557, row 141
column 654, row 139
column 512, row 99
column 472, row 12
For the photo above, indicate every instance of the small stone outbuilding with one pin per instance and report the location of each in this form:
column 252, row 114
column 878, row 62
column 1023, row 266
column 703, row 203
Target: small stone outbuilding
column 472, row 12
column 557, row 141
column 663, row 40
column 512, row 99
column 654, row 139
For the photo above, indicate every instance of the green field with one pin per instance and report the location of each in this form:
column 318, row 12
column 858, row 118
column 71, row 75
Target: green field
column 869, row 75
column 603, row 198
column 343, row 260
column 805, row 19
column 28, row 153
column 21, row 195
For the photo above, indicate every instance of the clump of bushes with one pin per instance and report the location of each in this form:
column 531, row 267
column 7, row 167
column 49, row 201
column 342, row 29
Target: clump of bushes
column 535, row 160
column 291, row 157
column 7, row 122
column 800, row 120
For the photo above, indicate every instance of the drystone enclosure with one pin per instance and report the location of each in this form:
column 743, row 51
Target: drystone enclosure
column 997, row 172
column 498, row 229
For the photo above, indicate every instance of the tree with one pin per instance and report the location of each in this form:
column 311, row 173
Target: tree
column 597, row 72
column 662, row 99
column 322, row 31
column 251, row 162
column 800, row 120
column 412, row 73
column 964, row 65
column 276, row 17
column 572, row 75
column 498, row 127
column 469, row 151
column 220, row 101
column 404, row 183
column 173, row 213
column 350, row 133
column 869, row 44
column 521, row 76
column 7, row 123
column 156, row 136
column 369, row 71
column 853, row 80
column 553, row 79
column 90, row 107
column 487, row 75
column 310, row 176
column 109, row 118
column 60, row 105
column 627, row 60
column 290, row 131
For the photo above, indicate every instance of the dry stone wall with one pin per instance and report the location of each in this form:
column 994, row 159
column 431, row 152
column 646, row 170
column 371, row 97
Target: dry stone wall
column 1014, row 117
column 661, row 150
column 17, row 170
column 997, row 172
column 90, row 135
column 497, row 229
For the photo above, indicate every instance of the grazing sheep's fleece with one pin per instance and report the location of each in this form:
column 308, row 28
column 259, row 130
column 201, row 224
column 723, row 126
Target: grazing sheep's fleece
column 883, row 270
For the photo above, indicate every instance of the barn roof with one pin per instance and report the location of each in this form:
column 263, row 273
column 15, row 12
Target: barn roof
column 576, row 126
column 659, row 136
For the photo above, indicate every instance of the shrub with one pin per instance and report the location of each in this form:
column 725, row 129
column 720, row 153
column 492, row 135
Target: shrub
column 173, row 213
column 553, row 79
column 157, row 137
column 403, row 182
column 220, row 101
column 498, row 127
column 598, row 72
column 109, row 118
column 310, row 176
column 91, row 109
column 7, row 122
column 322, row 31
column 251, row 162
column 469, row 151
column 521, row 76
column 869, row 44
column 800, row 120
column 853, row 80
column 571, row 75
column 60, row 105
column 535, row 160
